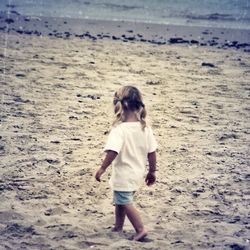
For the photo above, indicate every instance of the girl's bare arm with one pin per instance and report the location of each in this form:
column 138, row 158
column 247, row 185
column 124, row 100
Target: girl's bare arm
column 151, row 178
column 110, row 156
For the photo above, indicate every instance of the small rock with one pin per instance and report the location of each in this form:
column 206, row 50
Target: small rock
column 173, row 40
column 177, row 242
column 153, row 82
column 9, row 20
column 228, row 136
column 20, row 75
column 115, row 38
column 55, row 142
column 236, row 246
column 194, row 42
column 50, row 161
column 73, row 118
column 48, row 212
column 195, row 194
column 204, row 64
column 200, row 190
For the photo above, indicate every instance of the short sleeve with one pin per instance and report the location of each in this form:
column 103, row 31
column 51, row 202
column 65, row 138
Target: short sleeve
column 152, row 144
column 115, row 140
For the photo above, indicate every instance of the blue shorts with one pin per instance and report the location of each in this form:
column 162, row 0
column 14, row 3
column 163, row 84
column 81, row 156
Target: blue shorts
column 123, row 198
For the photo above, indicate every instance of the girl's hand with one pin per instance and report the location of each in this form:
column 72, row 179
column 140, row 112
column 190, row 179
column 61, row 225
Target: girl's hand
column 150, row 178
column 99, row 173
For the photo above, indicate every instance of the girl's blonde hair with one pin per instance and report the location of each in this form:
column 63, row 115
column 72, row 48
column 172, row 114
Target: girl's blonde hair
column 129, row 98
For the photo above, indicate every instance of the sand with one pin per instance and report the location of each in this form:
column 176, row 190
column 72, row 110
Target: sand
column 56, row 111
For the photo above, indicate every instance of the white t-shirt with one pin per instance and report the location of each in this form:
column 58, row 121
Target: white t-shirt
column 132, row 144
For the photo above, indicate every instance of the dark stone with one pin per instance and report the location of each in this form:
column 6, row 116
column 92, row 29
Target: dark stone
column 80, row 36
column 37, row 33
column 194, row 42
column 115, row 38
column 73, row 118
column 243, row 45
column 20, row 75
column 232, row 44
column 157, row 42
column 205, row 32
column 55, row 142
column 9, row 20
column 131, row 38
column 173, row 40
column 195, row 194
column 204, row 64
column 212, row 43
column 28, row 32
column 228, row 136
column 19, row 31
column 67, row 34
column 50, row 161
column 236, row 246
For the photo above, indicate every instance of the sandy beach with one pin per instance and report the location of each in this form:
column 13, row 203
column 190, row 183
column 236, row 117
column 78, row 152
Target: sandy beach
column 56, row 111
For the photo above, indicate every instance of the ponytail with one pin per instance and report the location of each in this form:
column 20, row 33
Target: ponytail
column 129, row 98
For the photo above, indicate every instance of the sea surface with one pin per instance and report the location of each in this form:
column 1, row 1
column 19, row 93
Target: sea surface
column 207, row 13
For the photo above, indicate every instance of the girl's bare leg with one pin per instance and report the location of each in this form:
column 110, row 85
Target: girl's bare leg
column 135, row 219
column 120, row 214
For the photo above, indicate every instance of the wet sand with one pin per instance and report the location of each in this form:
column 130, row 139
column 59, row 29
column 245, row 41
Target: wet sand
column 56, row 96
column 125, row 31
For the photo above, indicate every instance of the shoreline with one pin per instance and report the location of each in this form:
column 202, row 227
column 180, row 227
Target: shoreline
column 125, row 31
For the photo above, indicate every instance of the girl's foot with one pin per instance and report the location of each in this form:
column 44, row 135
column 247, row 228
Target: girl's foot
column 141, row 235
column 115, row 229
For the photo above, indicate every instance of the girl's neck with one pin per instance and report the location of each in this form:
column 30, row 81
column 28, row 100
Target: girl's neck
column 130, row 117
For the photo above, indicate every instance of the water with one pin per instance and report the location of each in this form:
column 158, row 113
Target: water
column 210, row 13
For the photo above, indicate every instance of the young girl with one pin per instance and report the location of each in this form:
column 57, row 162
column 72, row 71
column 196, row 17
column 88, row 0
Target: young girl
column 130, row 144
